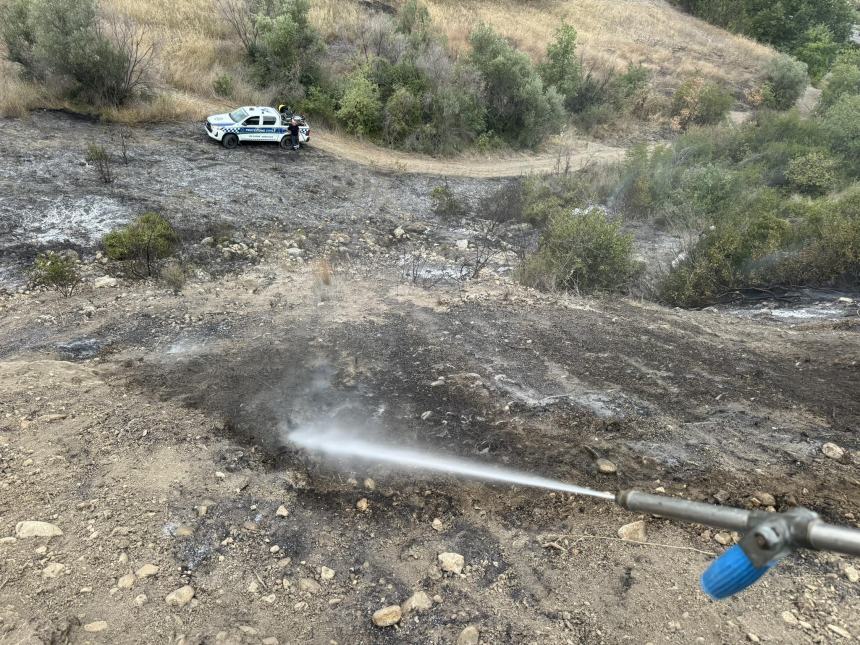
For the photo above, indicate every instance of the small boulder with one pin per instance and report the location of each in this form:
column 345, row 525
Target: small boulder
column 97, row 626
column 851, row 573
column 104, row 282
column 634, row 532
column 147, row 571
column 282, row 511
column 606, row 467
column 37, row 529
column 126, row 581
column 326, row 573
column 833, row 451
column 53, row 570
column 140, row 600
column 362, row 504
column 419, row 601
column 437, row 524
column 451, row 562
column 469, row 636
column 309, row 585
column 180, row 597
column 761, row 498
column 387, row 616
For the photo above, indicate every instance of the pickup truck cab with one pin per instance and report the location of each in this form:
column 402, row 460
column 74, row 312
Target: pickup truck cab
column 251, row 123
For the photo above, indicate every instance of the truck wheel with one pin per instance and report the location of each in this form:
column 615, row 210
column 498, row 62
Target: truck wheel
column 230, row 141
column 285, row 142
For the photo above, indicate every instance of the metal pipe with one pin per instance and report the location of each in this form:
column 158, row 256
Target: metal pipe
column 814, row 534
column 827, row 537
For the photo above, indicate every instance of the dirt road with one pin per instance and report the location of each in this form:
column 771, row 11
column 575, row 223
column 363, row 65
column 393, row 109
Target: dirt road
column 574, row 154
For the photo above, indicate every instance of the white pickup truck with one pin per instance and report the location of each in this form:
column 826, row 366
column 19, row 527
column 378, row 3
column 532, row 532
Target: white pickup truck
column 252, row 123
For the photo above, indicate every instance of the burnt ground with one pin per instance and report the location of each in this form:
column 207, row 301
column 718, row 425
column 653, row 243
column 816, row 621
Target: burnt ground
column 150, row 427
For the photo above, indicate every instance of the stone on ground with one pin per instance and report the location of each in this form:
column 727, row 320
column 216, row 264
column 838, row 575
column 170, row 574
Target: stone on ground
column 37, row 529
column 419, row 601
column 387, row 616
column 469, row 636
column 634, row 532
column 451, row 562
column 180, row 597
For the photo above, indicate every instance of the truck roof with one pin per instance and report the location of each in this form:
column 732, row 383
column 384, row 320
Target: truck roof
column 260, row 109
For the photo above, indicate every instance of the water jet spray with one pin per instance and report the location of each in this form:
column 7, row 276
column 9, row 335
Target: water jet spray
column 768, row 537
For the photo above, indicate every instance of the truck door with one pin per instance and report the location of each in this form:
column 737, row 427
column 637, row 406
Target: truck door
column 250, row 130
column 270, row 129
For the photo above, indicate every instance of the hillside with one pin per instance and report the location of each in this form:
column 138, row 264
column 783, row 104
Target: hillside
column 194, row 46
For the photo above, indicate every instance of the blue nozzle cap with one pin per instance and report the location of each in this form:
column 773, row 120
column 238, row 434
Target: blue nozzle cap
column 731, row 573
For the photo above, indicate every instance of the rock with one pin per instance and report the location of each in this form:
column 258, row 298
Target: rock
column 451, row 562
column 634, row 532
column 763, row 499
column 606, row 467
column 426, row 415
column 462, row 244
column 104, row 282
column 369, row 484
column 282, row 511
column 419, row 601
column 53, row 570
column 387, row 616
column 723, row 538
column 97, row 626
column 789, row 618
column 399, row 233
column 844, row 633
column 437, row 524
column 140, row 600
column 833, row 451
column 8, row 540
column 309, row 585
column 852, row 574
column 274, row 548
column 126, row 581
column 326, row 573
column 269, row 599
column 362, row 504
column 147, row 571
column 752, row 638
column 271, row 640
column 469, row 636
column 180, row 597
column 294, row 252
column 36, row 529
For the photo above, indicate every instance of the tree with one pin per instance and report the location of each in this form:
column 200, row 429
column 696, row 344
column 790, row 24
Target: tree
column 360, row 107
column 561, row 69
column 142, row 244
column 59, row 271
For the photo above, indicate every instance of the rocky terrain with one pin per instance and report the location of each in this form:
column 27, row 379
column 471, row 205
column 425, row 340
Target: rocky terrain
column 149, row 494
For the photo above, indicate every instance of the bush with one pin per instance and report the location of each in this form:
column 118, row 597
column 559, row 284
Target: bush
column 519, row 108
column 583, row 252
column 561, row 69
column 505, row 204
column 104, row 63
column 446, row 205
column 58, row 271
column 319, row 104
column 813, row 173
column 698, row 102
column 818, row 50
column 785, row 81
column 360, row 108
column 101, row 159
column 401, row 117
column 288, row 48
column 173, row 276
column 842, row 123
column 223, row 85
column 844, row 80
column 142, row 244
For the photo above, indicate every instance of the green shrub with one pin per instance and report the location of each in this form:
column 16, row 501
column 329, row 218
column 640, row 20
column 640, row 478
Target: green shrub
column 142, row 244
column 223, row 85
column 818, row 50
column 699, row 102
column 844, row 80
column 360, row 108
column 401, row 117
column 519, row 108
column 785, row 82
column 550, row 196
column 582, row 252
column 446, row 205
column 100, row 62
column 320, row 104
column 58, row 271
column 288, row 49
column 813, row 173
column 561, row 69
column 842, row 123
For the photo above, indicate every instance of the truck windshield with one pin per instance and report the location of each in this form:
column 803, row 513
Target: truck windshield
column 238, row 115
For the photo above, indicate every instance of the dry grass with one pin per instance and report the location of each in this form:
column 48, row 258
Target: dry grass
column 194, row 46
